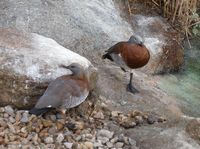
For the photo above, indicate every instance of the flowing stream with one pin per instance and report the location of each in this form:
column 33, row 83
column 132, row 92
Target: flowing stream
column 186, row 85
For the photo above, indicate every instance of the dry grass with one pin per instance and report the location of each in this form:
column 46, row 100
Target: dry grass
column 181, row 13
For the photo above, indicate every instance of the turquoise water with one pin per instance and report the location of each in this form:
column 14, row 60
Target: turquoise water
column 186, row 85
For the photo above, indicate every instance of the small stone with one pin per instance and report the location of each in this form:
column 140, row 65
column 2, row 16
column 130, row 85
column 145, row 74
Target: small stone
column 115, row 113
column 18, row 116
column 50, row 146
column 3, row 123
column 98, row 144
column 161, row 119
column 24, row 118
column 53, row 117
column 1, row 140
column 88, row 136
column 78, row 138
column 48, row 140
column 103, row 139
column 5, row 115
column 11, row 128
column 9, row 110
column 52, row 130
column 75, row 125
column 35, row 137
column 151, row 119
column 59, row 125
column 11, row 119
column 109, row 144
column 132, row 142
column 119, row 144
column 98, row 115
column 2, row 110
column 114, row 140
column 135, row 113
column 105, row 133
column 60, row 138
column 139, row 120
column 89, row 145
column 68, row 145
column 23, row 130
column 47, row 123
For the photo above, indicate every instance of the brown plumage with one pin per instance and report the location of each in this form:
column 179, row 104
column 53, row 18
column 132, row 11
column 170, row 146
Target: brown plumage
column 64, row 92
column 129, row 55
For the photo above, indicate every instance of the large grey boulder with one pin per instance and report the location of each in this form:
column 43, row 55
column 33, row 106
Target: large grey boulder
column 28, row 62
column 90, row 27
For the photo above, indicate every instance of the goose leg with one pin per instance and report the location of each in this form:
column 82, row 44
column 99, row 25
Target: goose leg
column 130, row 87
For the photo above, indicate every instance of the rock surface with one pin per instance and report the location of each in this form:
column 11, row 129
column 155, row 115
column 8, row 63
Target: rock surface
column 90, row 27
column 29, row 62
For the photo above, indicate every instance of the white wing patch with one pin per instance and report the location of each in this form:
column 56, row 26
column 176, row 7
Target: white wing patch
column 49, row 106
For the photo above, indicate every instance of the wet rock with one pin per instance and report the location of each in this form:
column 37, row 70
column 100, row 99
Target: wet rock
column 105, row 133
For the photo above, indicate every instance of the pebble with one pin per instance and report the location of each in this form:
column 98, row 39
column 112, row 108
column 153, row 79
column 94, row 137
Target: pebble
column 53, row 117
column 23, row 130
column 89, row 145
column 78, row 138
column 48, row 140
column 60, row 138
column 115, row 113
column 68, row 145
column 103, row 139
column 18, row 116
column 98, row 115
column 5, row 115
column 114, row 140
column 132, row 142
column 151, row 119
column 9, row 110
column 47, row 123
column 105, row 133
column 24, row 118
column 109, row 144
column 98, row 144
column 119, row 144
column 2, row 109
column 139, row 120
